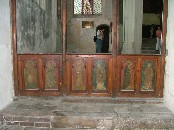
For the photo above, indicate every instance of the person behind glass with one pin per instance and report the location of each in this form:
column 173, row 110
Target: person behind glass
column 158, row 38
column 99, row 40
column 151, row 31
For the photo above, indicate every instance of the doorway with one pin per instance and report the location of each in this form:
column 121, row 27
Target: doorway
column 107, row 39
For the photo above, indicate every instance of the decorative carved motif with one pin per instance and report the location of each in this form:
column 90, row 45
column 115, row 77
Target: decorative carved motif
column 79, row 76
column 30, row 75
column 51, row 75
column 128, row 76
column 99, row 75
column 148, row 76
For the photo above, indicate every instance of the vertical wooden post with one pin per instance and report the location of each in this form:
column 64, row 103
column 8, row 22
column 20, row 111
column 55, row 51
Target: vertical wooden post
column 14, row 46
column 163, row 50
column 64, row 17
column 114, row 51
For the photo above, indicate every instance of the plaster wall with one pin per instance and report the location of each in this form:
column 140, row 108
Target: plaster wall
column 169, row 75
column 6, row 65
column 37, row 27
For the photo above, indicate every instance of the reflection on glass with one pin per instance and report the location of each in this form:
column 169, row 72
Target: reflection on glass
column 138, row 22
column 38, row 26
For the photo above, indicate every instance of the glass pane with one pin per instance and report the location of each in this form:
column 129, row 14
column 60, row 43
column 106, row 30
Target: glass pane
column 97, row 7
column 77, row 6
column 87, row 7
column 138, row 22
column 38, row 27
column 82, row 28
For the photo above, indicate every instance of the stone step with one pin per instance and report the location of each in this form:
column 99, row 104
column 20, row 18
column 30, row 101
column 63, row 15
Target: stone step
column 148, row 48
column 107, row 121
column 112, row 100
column 91, row 113
column 124, row 121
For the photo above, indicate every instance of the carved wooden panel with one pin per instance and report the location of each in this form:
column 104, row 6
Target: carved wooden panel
column 131, row 76
column 148, row 76
column 99, row 75
column 79, row 75
column 138, row 76
column 39, row 75
column 128, row 75
column 51, row 75
column 30, row 75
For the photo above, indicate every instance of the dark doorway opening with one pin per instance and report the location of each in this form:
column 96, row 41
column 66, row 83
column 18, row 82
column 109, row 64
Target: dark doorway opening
column 105, row 45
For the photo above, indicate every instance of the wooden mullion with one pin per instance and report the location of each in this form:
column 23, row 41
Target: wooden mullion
column 92, row 3
column 82, row 7
column 114, row 49
column 64, row 27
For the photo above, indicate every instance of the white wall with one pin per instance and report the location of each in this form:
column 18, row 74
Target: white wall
column 169, row 76
column 6, row 79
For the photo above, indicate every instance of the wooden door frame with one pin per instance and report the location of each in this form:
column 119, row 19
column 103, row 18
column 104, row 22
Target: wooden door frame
column 163, row 51
column 114, row 53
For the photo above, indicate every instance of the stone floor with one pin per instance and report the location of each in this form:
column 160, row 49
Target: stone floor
column 90, row 113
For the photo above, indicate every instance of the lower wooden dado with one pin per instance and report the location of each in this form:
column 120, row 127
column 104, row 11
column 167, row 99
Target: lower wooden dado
column 138, row 76
column 90, row 75
column 40, row 75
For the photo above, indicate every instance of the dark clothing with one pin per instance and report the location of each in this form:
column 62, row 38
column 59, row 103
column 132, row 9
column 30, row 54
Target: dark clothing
column 98, row 45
